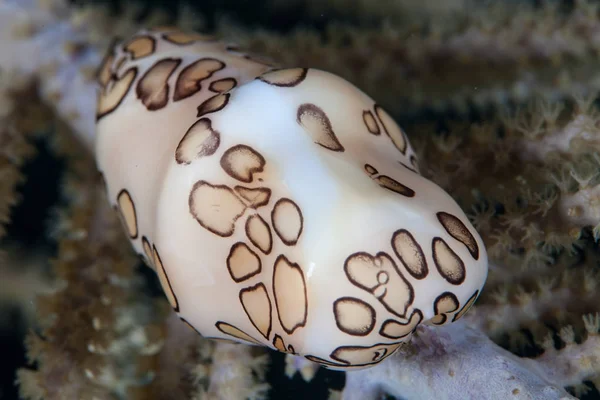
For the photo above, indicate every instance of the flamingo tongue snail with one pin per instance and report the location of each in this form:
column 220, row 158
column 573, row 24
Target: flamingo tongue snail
column 278, row 207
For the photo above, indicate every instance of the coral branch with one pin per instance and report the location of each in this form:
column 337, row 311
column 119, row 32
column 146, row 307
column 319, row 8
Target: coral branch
column 99, row 332
column 236, row 373
column 576, row 362
column 39, row 39
column 453, row 362
column 306, row 368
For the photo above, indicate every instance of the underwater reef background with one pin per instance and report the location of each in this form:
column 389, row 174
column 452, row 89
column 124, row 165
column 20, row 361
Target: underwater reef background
column 500, row 100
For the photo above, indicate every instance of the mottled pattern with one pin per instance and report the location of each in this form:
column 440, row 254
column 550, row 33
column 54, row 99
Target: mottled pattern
column 445, row 303
column 184, row 38
column 140, row 47
column 276, row 265
column 380, row 276
column 243, row 263
column 257, row 305
column 391, row 129
column 222, row 85
column 287, row 221
column 164, row 279
column 284, row 77
column 153, row 88
column 128, row 213
column 241, row 162
column 448, row 263
column 460, row 232
column 354, row 316
column 213, row 104
column 409, row 251
column 259, row 233
column 316, row 122
column 119, row 71
column 393, row 329
column 200, row 140
column 389, row 183
column 231, row 208
column 371, row 123
column 114, row 92
column 189, row 81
